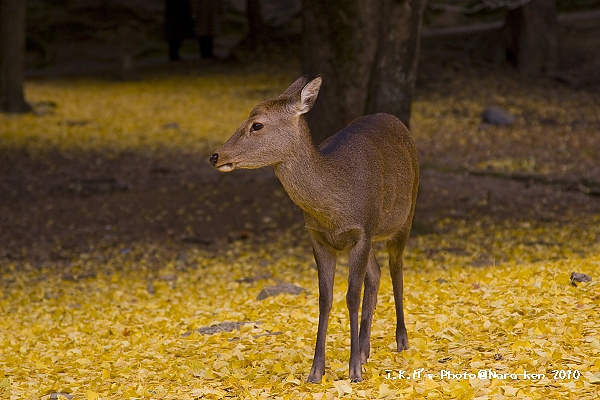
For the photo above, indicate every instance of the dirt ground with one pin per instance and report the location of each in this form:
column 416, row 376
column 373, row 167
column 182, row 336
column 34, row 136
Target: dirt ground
column 50, row 210
column 48, row 218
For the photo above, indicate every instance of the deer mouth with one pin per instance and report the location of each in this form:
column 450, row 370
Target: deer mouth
column 225, row 167
column 221, row 167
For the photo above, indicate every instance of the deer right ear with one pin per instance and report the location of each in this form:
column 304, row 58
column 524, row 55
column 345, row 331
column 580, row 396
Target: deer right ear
column 309, row 94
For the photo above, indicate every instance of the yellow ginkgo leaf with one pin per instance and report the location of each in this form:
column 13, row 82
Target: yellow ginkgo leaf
column 91, row 395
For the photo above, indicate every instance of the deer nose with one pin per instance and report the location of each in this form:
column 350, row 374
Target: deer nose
column 213, row 159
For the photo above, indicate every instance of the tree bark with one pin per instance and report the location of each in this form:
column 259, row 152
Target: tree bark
column 395, row 68
column 366, row 51
column 532, row 31
column 339, row 43
column 12, row 55
column 254, row 23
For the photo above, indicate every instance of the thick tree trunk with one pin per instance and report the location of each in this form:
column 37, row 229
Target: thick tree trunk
column 366, row 51
column 532, row 31
column 12, row 54
column 395, row 67
column 254, row 23
column 340, row 39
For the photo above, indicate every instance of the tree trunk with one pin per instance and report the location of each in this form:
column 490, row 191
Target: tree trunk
column 366, row 51
column 12, row 54
column 339, row 43
column 254, row 23
column 532, row 31
column 395, row 68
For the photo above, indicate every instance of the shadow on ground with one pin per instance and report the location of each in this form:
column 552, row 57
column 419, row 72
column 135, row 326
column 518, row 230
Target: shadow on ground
column 56, row 206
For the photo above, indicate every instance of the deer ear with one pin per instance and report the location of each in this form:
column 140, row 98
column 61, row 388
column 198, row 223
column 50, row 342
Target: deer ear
column 295, row 87
column 309, row 94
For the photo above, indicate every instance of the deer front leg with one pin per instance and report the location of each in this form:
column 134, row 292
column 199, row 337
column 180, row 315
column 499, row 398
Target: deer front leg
column 358, row 260
column 325, row 259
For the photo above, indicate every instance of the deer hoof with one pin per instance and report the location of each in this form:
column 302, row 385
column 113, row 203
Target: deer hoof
column 364, row 356
column 315, row 376
column 401, row 338
column 356, row 378
column 402, row 344
column 356, row 374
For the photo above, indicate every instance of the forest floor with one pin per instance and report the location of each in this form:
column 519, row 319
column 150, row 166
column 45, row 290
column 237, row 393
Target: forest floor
column 107, row 198
column 546, row 163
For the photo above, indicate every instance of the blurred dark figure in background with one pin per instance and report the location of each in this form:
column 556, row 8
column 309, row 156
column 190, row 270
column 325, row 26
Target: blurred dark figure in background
column 206, row 14
column 178, row 25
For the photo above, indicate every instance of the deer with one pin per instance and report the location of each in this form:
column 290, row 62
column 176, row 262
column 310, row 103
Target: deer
column 358, row 187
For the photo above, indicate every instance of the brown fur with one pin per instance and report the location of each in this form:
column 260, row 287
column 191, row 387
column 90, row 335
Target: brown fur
column 358, row 187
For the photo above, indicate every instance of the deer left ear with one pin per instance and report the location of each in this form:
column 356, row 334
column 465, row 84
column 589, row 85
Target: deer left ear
column 295, row 87
column 308, row 94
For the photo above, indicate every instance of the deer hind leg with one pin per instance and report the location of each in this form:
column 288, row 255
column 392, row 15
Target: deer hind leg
column 396, row 249
column 372, row 277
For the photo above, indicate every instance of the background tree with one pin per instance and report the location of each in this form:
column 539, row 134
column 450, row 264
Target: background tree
column 366, row 52
column 12, row 54
column 254, row 23
column 529, row 37
column 206, row 15
column 178, row 25
column 532, row 36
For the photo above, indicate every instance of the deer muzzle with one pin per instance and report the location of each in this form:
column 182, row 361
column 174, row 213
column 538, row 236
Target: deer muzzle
column 221, row 167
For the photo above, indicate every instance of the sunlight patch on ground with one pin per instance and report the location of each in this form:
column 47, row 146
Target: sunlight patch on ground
column 110, row 325
column 191, row 113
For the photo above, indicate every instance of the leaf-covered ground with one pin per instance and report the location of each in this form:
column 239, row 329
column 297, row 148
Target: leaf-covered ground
column 112, row 325
column 118, row 242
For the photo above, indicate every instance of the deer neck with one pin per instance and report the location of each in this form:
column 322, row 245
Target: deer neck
column 304, row 176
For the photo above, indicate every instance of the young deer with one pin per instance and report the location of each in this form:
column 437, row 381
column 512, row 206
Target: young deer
column 358, row 187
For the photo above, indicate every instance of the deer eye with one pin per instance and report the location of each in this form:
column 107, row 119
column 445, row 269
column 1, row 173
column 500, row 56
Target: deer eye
column 257, row 126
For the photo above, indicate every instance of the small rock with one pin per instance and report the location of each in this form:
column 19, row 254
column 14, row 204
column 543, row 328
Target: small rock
column 497, row 116
column 168, row 277
column 278, row 289
column 222, row 327
column 171, row 125
column 51, row 296
column 579, row 277
column 57, row 395
column 485, row 260
column 77, row 122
